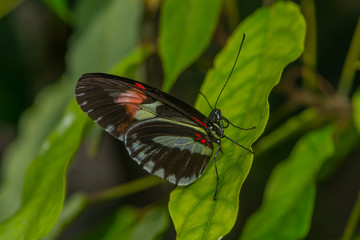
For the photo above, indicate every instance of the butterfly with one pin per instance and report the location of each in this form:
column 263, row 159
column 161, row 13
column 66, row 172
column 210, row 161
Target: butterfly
column 166, row 136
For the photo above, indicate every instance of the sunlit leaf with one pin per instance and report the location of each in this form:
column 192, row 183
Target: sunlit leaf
column 43, row 193
column 274, row 37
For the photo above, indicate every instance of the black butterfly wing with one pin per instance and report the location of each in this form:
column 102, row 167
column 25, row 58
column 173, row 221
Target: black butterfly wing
column 172, row 150
column 116, row 102
column 126, row 108
column 111, row 103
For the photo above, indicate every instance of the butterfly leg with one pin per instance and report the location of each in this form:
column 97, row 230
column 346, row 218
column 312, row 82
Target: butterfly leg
column 239, row 144
column 221, row 151
column 235, row 125
column 217, row 174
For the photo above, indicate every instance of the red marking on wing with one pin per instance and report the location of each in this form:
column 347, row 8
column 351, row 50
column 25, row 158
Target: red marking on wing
column 200, row 122
column 139, row 86
column 202, row 140
column 132, row 100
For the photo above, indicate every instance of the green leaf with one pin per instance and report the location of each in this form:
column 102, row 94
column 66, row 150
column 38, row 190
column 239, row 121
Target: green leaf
column 349, row 70
column 43, row 193
column 37, row 122
column 347, row 139
column 77, row 203
column 123, row 224
column 289, row 196
column 129, row 224
column 74, row 205
column 34, row 126
column 274, row 37
column 152, row 225
column 113, row 35
column 61, row 9
column 186, row 28
column 356, row 108
column 128, row 66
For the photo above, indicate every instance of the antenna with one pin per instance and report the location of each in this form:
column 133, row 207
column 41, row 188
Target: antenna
column 199, row 92
column 242, row 41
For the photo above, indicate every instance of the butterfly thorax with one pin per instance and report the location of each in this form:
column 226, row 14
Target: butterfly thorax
column 215, row 124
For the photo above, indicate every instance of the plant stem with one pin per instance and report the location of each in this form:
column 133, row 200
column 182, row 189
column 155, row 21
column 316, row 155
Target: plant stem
column 349, row 69
column 125, row 189
column 232, row 13
column 309, row 56
column 291, row 128
column 353, row 220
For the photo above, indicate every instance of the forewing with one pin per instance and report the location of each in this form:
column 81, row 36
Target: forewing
column 116, row 103
column 109, row 103
column 175, row 151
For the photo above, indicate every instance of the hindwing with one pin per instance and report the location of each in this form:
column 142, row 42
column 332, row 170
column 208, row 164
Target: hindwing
column 175, row 151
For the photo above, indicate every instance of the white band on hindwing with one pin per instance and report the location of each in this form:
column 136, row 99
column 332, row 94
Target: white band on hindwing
column 183, row 143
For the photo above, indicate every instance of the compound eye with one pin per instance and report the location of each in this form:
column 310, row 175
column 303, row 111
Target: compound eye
column 213, row 116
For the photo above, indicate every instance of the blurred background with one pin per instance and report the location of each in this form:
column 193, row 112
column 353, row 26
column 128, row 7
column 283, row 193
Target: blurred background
column 34, row 43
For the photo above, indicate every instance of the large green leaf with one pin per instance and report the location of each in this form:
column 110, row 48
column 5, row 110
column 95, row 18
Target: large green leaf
column 186, row 28
column 38, row 121
column 113, row 35
column 43, row 193
column 274, row 37
column 78, row 202
column 289, row 196
column 74, row 205
column 34, row 126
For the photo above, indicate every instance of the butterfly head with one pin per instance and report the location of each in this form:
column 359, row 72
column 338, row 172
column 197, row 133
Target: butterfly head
column 215, row 116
